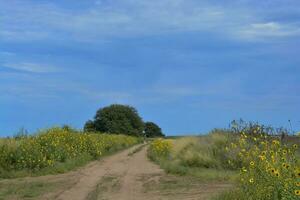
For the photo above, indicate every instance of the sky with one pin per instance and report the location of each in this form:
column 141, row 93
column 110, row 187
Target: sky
column 187, row 65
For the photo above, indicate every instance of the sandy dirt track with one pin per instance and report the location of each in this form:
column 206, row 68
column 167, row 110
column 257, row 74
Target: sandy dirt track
column 130, row 176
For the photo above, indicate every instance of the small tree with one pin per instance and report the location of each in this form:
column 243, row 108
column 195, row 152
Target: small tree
column 153, row 130
column 89, row 126
column 118, row 119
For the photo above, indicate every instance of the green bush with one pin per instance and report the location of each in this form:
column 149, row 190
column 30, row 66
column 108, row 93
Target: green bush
column 160, row 149
column 117, row 119
column 153, row 130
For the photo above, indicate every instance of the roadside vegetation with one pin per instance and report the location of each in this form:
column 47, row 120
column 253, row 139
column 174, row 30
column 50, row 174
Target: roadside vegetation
column 269, row 168
column 33, row 189
column 198, row 156
column 263, row 166
column 56, row 150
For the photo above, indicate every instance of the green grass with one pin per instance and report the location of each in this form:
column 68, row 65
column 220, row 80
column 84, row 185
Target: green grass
column 231, row 195
column 181, row 187
column 26, row 190
column 205, row 174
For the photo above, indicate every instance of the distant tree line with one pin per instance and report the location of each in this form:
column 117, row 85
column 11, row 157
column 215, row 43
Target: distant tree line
column 122, row 119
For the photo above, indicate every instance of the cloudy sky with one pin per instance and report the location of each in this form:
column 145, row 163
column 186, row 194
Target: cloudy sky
column 188, row 65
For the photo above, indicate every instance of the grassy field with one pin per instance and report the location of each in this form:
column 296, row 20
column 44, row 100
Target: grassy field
column 201, row 156
column 262, row 167
column 56, row 150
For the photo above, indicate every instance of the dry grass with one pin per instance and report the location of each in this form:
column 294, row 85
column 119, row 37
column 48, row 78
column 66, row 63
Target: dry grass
column 198, row 156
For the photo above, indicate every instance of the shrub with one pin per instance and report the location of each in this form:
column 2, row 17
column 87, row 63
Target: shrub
column 160, row 148
column 153, row 130
column 89, row 126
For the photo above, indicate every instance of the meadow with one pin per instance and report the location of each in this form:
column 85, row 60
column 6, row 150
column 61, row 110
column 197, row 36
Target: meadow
column 261, row 167
column 56, row 150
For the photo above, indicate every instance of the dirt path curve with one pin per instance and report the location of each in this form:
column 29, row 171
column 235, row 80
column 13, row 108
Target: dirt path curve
column 131, row 182
column 89, row 177
column 128, row 175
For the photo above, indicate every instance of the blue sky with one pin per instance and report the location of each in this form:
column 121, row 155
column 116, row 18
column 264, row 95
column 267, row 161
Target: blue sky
column 187, row 65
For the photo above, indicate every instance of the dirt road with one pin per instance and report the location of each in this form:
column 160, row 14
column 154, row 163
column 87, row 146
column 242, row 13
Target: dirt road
column 127, row 175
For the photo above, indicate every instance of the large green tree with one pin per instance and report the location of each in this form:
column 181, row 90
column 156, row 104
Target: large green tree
column 153, row 130
column 117, row 119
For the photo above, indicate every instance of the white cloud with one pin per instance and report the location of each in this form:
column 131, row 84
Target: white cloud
column 129, row 18
column 269, row 29
column 31, row 67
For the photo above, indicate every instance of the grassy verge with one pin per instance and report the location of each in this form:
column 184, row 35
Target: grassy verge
column 22, row 189
column 204, row 174
column 231, row 195
column 193, row 156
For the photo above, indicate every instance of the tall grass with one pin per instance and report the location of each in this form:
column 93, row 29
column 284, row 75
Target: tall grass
column 200, row 156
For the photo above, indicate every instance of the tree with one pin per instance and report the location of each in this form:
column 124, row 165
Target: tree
column 117, row 119
column 89, row 126
column 68, row 128
column 153, row 130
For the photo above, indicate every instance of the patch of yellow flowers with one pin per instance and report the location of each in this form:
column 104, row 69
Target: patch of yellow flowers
column 270, row 169
column 58, row 145
column 160, row 148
